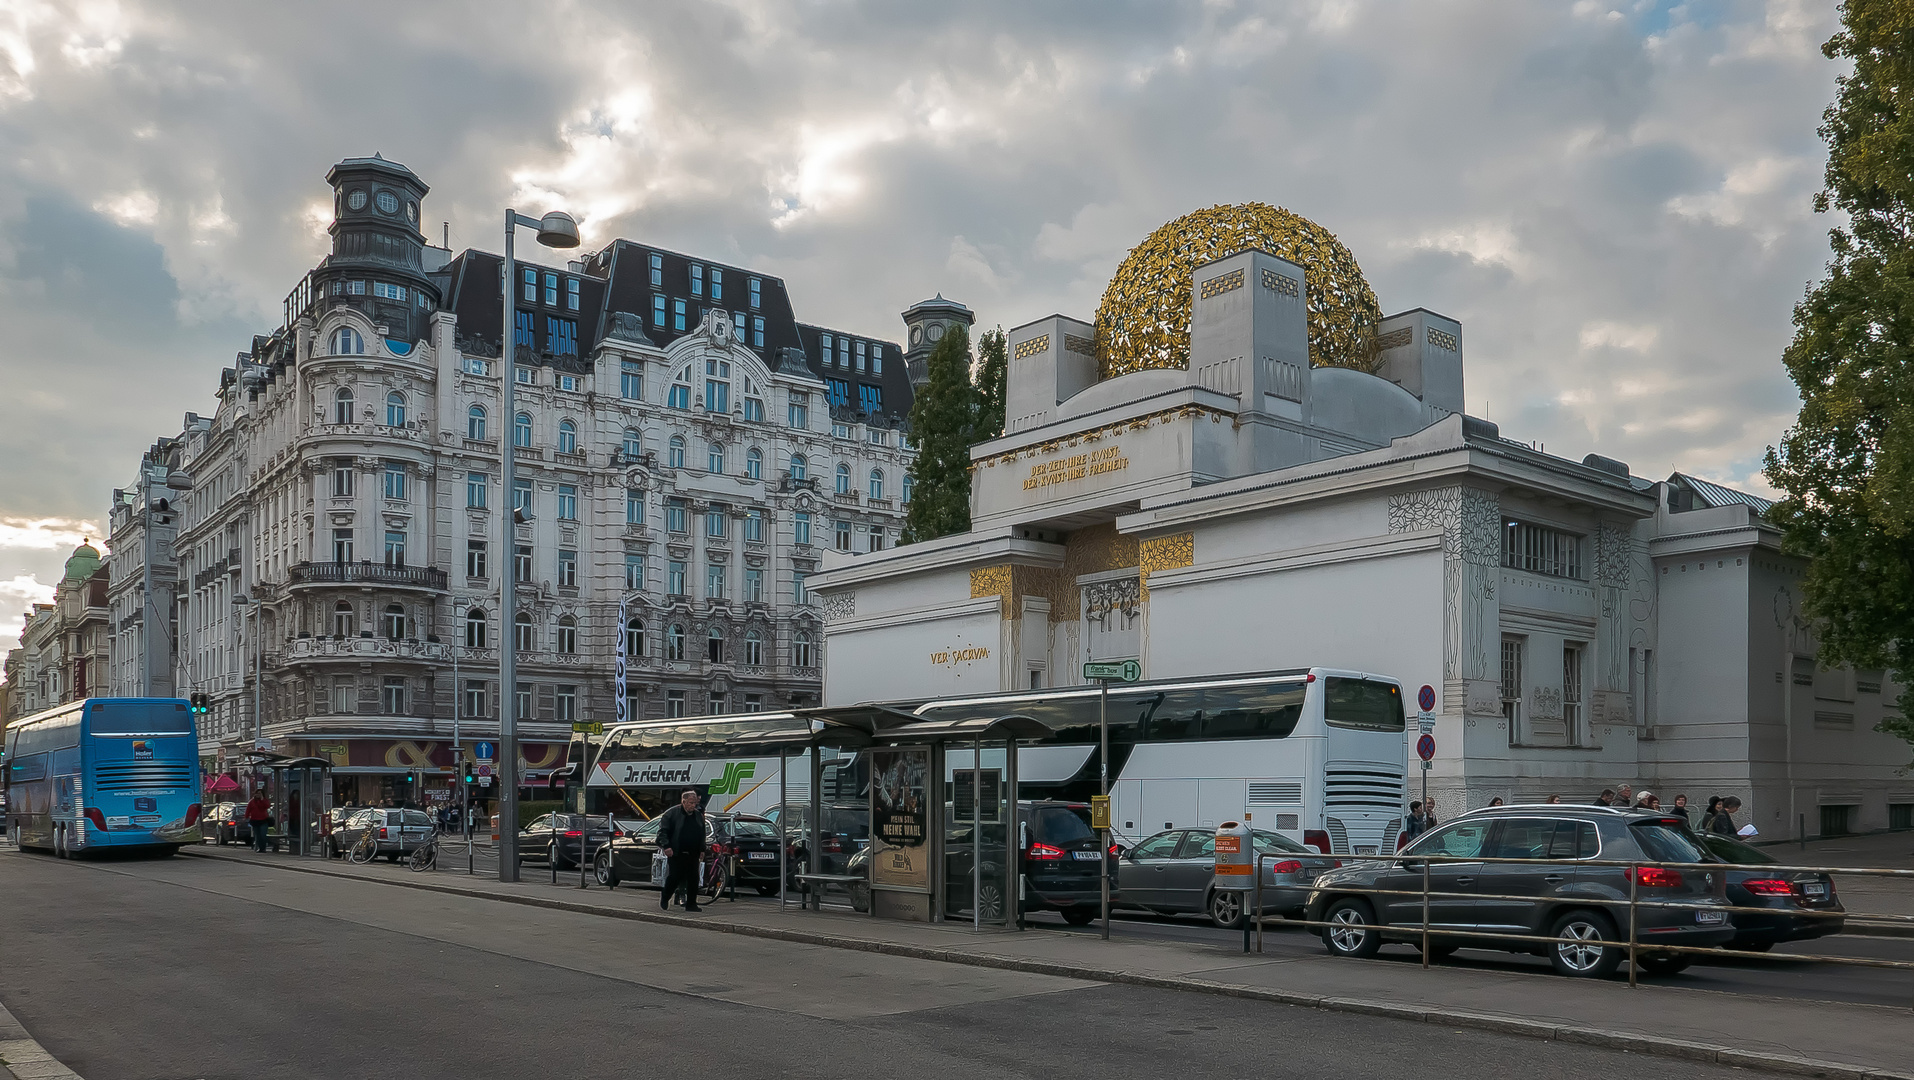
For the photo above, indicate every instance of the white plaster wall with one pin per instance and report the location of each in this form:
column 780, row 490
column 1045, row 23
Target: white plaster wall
column 884, row 658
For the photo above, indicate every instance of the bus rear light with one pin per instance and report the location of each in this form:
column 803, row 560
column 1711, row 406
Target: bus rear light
column 1317, row 839
column 98, row 819
column 192, row 814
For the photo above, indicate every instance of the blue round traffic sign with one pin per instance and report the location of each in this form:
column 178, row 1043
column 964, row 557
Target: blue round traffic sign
column 1426, row 697
column 1426, row 747
column 482, row 750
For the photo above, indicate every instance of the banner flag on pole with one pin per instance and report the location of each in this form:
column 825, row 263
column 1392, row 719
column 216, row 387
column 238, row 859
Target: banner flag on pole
column 623, row 705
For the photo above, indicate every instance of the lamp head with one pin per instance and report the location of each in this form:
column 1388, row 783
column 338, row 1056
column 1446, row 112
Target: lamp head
column 179, row 481
column 558, row 230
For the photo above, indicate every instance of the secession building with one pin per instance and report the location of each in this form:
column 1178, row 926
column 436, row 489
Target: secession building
column 1218, row 476
column 684, row 446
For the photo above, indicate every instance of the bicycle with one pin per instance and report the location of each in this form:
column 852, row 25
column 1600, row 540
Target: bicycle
column 426, row 855
column 364, row 850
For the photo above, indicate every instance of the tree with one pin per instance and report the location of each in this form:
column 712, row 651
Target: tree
column 943, row 424
column 1846, row 466
column 993, row 375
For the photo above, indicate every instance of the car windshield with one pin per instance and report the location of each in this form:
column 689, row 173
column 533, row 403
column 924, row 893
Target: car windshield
column 1728, row 849
column 1269, row 841
column 1664, row 842
column 752, row 828
column 1059, row 824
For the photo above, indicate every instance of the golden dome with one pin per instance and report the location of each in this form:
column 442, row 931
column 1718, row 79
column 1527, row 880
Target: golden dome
column 1144, row 319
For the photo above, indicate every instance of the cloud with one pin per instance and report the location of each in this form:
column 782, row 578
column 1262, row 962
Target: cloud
column 1612, row 198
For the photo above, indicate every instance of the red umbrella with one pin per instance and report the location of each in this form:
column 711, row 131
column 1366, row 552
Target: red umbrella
column 222, row 783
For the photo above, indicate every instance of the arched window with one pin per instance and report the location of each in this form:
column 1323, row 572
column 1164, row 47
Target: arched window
column 634, row 444
column 798, row 466
column 843, row 479
column 524, row 639
column 714, row 459
column 635, row 638
column 567, row 634
column 754, row 464
column 522, row 430
column 906, row 498
column 394, row 622
column 567, row 437
column 801, row 650
column 342, row 406
column 475, row 628
column 475, row 422
column 714, row 645
column 877, row 483
column 677, row 455
column 674, row 642
column 395, row 409
column 347, row 342
column 753, row 648
column 342, row 619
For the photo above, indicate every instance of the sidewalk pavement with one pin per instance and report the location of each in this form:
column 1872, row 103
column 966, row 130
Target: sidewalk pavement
column 22, row 1058
column 1825, row 1039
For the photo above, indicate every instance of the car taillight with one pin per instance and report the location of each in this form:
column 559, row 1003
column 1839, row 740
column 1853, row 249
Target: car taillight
column 192, row 814
column 1317, row 839
column 98, row 819
column 382, row 832
column 1769, row 887
column 573, row 834
column 1287, row 866
column 1115, row 850
column 1654, row 877
column 620, row 834
column 1044, row 852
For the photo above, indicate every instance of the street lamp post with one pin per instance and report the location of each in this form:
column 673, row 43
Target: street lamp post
column 555, row 230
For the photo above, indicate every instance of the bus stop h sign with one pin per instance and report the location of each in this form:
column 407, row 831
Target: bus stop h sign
column 1114, row 670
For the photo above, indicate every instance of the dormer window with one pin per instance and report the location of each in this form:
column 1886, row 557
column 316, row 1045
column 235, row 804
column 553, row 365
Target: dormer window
column 697, row 279
column 347, row 342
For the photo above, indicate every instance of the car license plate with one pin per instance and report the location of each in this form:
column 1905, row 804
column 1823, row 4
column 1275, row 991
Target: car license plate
column 1366, row 849
column 1087, row 856
column 1711, row 918
column 765, row 855
column 1815, row 890
column 118, row 822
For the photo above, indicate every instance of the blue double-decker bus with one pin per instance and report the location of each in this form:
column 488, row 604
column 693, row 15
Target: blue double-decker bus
column 104, row 773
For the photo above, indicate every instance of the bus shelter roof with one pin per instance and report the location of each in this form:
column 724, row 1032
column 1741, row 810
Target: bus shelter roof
column 300, row 763
column 967, row 729
column 731, row 736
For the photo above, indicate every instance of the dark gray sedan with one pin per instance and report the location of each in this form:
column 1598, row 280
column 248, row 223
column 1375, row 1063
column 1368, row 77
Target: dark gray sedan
column 1173, row 872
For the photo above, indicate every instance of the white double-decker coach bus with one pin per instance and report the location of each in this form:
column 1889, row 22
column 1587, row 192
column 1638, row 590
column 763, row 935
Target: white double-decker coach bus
column 1316, row 754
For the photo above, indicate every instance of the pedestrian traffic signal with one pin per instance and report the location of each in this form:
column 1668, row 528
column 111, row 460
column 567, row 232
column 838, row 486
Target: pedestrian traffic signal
column 201, row 704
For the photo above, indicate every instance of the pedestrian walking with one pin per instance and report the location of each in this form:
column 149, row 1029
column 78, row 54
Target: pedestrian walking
column 681, row 838
column 1647, row 801
column 1681, row 807
column 1707, row 823
column 1554, row 800
column 259, row 818
column 1624, row 796
column 1724, row 822
column 1417, row 822
column 1606, row 798
column 1497, row 801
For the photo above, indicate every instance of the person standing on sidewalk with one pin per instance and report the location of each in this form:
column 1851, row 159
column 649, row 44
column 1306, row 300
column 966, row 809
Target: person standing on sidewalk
column 1723, row 822
column 681, row 838
column 259, row 819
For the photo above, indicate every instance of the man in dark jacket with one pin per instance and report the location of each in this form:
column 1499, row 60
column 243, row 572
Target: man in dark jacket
column 681, row 839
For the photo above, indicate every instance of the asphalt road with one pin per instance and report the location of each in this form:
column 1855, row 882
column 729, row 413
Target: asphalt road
column 180, row 968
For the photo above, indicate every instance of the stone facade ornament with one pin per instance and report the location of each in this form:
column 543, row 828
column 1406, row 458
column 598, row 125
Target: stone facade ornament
column 840, row 606
column 1102, row 598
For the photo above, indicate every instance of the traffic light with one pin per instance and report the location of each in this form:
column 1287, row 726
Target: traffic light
column 410, row 777
column 469, row 778
column 201, row 704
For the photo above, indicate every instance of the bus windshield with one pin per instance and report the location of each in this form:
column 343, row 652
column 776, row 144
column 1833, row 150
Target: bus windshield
column 139, row 718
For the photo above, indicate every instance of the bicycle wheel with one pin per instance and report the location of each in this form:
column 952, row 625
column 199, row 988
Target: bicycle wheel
column 423, row 857
column 365, row 850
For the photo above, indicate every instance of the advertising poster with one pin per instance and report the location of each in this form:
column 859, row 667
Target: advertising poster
column 899, row 818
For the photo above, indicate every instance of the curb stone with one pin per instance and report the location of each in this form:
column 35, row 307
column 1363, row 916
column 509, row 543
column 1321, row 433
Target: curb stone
column 23, row 1058
column 1633, row 1042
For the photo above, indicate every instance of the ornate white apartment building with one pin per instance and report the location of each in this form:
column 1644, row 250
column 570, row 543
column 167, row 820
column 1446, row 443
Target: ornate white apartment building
column 684, row 448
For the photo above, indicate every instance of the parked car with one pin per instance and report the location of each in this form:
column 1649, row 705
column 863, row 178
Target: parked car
column 1172, row 873
column 557, row 837
column 1787, row 893
column 1554, row 893
column 847, row 831
column 225, row 823
column 397, row 832
column 752, row 839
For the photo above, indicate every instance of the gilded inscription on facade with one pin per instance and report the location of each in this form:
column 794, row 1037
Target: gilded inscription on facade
column 1097, row 462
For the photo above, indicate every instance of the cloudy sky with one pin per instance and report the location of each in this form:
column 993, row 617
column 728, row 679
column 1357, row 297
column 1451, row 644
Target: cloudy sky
column 1614, row 200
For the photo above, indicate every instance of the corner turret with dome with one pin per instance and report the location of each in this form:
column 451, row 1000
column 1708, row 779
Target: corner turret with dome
column 84, row 560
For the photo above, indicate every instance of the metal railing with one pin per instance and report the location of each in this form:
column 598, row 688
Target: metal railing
column 1855, row 924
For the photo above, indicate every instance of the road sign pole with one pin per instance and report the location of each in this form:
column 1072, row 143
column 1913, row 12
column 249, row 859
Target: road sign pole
column 1103, row 788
